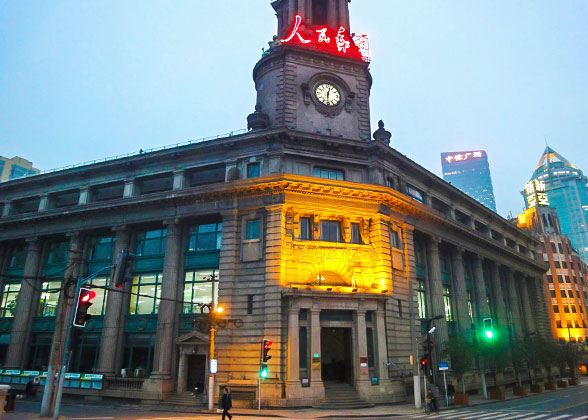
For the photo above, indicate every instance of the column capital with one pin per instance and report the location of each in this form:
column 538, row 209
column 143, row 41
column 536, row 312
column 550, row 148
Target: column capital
column 176, row 221
column 120, row 228
column 32, row 240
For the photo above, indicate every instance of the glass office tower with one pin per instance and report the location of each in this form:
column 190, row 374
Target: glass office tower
column 470, row 172
column 565, row 185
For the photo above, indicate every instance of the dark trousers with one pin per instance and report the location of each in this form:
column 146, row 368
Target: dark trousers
column 226, row 413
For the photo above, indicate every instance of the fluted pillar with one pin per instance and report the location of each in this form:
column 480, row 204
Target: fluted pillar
column 382, row 346
column 498, row 296
column 293, row 347
column 514, row 303
column 527, row 308
column 344, row 13
column 362, row 373
column 332, row 14
column 482, row 306
column 114, row 316
column 437, row 305
column 25, row 307
column 70, row 277
column 316, row 380
column 461, row 294
column 168, row 310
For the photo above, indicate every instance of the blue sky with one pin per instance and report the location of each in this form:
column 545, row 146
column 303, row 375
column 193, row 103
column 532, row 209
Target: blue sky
column 83, row 80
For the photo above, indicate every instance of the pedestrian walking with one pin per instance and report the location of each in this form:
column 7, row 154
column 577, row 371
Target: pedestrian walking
column 226, row 403
column 450, row 392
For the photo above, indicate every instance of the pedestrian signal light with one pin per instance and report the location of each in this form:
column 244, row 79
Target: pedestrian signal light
column 265, row 350
column 263, row 372
column 83, row 303
column 488, row 328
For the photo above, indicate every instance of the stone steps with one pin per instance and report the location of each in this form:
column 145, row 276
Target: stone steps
column 183, row 400
column 340, row 396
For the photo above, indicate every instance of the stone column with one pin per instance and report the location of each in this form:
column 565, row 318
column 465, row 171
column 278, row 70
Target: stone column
column 362, row 374
column 482, row 307
column 183, row 372
column 514, row 303
column 168, row 310
column 527, row 308
column 332, row 14
column 382, row 348
column 25, row 307
column 302, row 9
column 63, row 317
column 461, row 294
column 497, row 295
column 437, row 305
column 316, row 380
column 114, row 316
column 344, row 14
column 293, row 347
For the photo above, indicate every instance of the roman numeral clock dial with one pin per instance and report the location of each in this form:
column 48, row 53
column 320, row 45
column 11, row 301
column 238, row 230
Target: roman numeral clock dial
column 327, row 94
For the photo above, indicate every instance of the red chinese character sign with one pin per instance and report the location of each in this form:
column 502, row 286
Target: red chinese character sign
column 337, row 42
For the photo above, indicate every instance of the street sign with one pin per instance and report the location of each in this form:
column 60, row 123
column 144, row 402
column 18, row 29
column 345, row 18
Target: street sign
column 213, row 365
column 443, row 366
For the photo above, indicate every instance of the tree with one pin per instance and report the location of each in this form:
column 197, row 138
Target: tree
column 547, row 351
column 496, row 351
column 461, row 352
column 571, row 354
column 532, row 356
column 519, row 349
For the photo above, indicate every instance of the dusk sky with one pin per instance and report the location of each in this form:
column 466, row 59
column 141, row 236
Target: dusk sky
column 83, row 80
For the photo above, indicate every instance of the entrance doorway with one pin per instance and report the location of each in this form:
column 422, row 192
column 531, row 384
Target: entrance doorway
column 337, row 364
column 196, row 373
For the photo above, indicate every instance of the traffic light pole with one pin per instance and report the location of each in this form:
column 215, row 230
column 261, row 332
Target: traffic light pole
column 66, row 355
column 210, row 374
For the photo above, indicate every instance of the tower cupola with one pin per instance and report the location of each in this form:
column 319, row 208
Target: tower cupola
column 330, row 13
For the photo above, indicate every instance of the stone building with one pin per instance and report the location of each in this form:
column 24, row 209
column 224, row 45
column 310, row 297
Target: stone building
column 332, row 245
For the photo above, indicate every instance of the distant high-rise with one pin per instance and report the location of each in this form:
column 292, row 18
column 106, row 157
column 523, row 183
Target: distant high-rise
column 16, row 167
column 470, row 172
column 565, row 186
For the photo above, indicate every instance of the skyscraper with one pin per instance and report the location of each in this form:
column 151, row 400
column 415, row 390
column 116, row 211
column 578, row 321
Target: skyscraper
column 565, row 186
column 16, row 167
column 470, row 172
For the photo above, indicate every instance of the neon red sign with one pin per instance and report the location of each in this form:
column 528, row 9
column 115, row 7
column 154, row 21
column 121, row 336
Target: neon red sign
column 320, row 38
column 461, row 157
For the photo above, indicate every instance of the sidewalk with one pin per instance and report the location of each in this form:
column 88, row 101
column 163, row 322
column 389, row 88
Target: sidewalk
column 30, row 410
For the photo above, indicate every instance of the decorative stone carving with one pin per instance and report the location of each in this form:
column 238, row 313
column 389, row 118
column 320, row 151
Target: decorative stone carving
column 381, row 134
column 258, row 120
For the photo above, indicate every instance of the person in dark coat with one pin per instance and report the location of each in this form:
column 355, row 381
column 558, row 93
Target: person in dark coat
column 226, row 403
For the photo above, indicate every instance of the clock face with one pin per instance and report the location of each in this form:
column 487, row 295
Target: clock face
column 328, row 94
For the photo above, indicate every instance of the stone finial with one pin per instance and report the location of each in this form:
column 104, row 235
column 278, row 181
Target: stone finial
column 381, row 134
column 258, row 120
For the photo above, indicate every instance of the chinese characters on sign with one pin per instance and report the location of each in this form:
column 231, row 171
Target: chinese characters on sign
column 320, row 38
column 536, row 194
column 461, row 157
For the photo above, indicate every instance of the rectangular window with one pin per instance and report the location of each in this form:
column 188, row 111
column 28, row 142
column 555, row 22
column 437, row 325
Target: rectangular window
column 568, row 279
column 50, row 292
column 151, row 242
column 18, row 257
column 57, row 253
column 415, row 193
column 558, row 324
column 550, row 278
column 422, row 301
column 555, row 309
column 253, row 170
column 560, row 279
column 447, row 303
column 330, row 231
column 570, row 293
column 563, row 293
column 355, row 235
column 553, row 248
column 148, row 286
column 399, row 308
column 560, row 248
column 205, row 237
column 101, row 248
column 305, row 228
column 566, row 309
column 252, row 229
column 303, row 348
column 328, row 174
column 99, row 303
column 557, row 264
column 200, row 288
column 9, row 299
column 552, row 293
column 574, row 309
column 564, row 264
column 249, row 304
column 395, row 239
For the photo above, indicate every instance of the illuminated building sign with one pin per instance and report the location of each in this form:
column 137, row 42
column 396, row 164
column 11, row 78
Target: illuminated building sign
column 536, row 194
column 463, row 156
column 336, row 42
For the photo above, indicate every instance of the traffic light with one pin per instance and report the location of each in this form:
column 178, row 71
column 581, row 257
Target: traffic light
column 83, row 303
column 263, row 372
column 424, row 361
column 120, row 268
column 266, row 348
column 488, row 328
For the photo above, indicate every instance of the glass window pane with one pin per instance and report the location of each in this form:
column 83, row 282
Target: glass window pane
column 207, row 228
column 253, row 229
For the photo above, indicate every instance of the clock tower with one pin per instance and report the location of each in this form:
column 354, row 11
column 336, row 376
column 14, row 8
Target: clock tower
column 315, row 76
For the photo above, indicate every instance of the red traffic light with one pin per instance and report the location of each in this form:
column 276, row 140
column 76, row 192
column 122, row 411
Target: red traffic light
column 424, row 361
column 266, row 344
column 88, row 297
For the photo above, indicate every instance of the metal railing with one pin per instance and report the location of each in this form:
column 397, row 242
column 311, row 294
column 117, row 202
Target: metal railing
column 142, row 152
column 129, row 384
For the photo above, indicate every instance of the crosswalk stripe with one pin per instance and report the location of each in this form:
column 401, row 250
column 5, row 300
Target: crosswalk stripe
column 462, row 414
column 540, row 416
column 580, row 418
column 565, row 416
column 489, row 416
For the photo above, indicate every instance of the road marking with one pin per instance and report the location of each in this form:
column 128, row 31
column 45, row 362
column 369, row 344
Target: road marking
column 488, row 416
column 580, row 418
column 540, row 402
column 570, row 406
column 462, row 414
column 540, row 416
column 565, row 416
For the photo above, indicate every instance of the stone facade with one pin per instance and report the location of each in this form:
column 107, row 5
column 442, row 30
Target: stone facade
column 334, row 247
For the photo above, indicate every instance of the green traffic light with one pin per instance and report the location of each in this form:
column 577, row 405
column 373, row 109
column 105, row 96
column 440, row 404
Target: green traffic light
column 489, row 334
column 264, row 372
